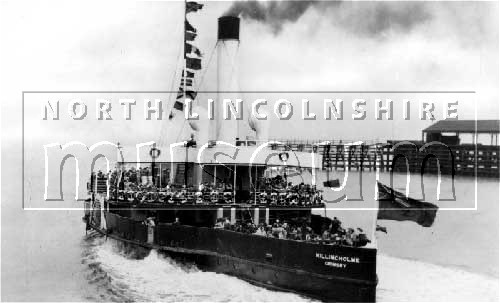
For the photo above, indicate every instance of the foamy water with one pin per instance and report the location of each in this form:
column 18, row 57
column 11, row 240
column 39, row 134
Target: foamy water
column 121, row 275
column 157, row 277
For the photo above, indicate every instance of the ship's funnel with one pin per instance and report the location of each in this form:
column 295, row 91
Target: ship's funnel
column 227, row 78
column 229, row 28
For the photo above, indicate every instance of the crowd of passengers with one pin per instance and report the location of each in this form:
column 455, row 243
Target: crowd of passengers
column 333, row 234
column 136, row 185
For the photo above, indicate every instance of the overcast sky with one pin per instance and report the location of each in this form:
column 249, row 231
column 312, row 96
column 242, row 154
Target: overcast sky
column 125, row 45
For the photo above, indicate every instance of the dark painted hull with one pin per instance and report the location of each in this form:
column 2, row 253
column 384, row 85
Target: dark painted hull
column 277, row 264
column 325, row 288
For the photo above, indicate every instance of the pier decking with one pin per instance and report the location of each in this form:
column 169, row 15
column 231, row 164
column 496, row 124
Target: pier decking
column 465, row 159
column 439, row 151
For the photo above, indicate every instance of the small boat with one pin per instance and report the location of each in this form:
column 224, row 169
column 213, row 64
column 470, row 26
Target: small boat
column 332, row 183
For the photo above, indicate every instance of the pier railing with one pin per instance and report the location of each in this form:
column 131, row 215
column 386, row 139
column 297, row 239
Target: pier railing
column 399, row 156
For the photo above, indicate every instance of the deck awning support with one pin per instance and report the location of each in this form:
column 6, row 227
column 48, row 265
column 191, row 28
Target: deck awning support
column 255, row 182
column 234, row 184
column 215, row 175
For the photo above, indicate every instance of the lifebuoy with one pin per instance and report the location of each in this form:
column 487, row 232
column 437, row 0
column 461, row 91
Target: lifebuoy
column 139, row 195
column 154, row 152
column 284, row 156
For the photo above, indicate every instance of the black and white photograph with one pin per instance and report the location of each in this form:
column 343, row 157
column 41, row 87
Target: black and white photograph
column 249, row 151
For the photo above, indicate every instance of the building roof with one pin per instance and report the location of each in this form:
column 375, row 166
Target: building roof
column 465, row 126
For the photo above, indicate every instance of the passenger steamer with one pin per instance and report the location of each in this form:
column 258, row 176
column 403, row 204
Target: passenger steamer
column 175, row 203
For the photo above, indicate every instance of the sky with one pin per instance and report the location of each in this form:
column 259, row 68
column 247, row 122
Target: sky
column 286, row 46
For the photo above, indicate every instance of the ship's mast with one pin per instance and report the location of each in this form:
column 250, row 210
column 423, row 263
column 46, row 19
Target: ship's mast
column 184, row 70
column 184, row 74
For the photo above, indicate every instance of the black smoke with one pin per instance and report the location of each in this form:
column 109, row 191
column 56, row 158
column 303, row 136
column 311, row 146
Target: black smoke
column 362, row 18
column 275, row 14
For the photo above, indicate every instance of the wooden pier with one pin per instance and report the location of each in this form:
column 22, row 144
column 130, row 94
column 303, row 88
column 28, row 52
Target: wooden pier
column 440, row 150
column 399, row 156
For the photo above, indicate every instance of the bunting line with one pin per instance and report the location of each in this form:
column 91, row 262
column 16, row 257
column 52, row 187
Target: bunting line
column 192, row 62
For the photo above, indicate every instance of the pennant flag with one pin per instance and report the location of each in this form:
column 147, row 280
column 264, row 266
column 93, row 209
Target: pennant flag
column 189, row 82
column 180, row 93
column 381, row 228
column 189, row 27
column 191, row 94
column 188, row 94
column 179, row 105
column 188, row 74
column 189, row 48
column 193, row 63
column 394, row 205
column 192, row 7
column 189, row 36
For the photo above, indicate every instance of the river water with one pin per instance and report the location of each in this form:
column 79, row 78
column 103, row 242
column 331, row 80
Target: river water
column 46, row 255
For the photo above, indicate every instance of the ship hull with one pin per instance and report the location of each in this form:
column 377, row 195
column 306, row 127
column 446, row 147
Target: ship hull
column 272, row 263
column 325, row 288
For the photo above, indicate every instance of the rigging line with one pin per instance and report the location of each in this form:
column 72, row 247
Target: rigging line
column 174, row 79
column 184, row 69
column 232, row 61
column 233, row 64
column 180, row 131
column 184, row 74
column 240, row 124
column 232, row 79
column 206, row 69
column 166, row 121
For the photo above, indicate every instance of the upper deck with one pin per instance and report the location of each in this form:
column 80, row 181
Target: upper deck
column 244, row 153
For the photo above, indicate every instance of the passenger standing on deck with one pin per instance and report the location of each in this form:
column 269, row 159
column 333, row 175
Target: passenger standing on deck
column 219, row 224
column 227, row 224
column 151, row 226
column 335, row 225
column 326, row 235
column 133, row 175
column 354, row 236
column 362, row 238
column 309, row 234
column 260, row 231
column 303, row 231
column 349, row 236
column 150, row 221
column 282, row 232
column 276, row 228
